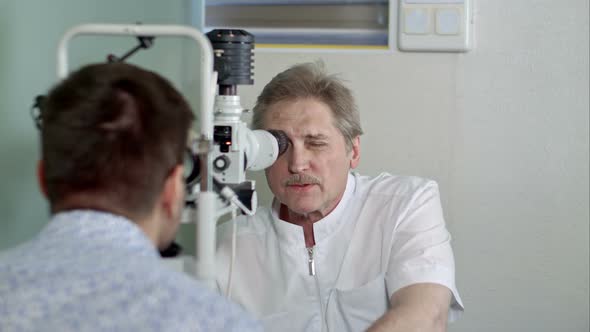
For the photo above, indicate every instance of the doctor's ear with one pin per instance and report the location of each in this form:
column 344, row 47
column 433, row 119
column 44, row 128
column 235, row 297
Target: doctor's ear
column 355, row 152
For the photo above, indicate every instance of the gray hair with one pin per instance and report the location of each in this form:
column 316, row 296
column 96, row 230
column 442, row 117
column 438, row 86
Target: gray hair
column 310, row 80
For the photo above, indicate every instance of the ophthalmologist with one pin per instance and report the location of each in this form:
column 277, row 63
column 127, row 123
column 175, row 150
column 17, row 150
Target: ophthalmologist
column 337, row 251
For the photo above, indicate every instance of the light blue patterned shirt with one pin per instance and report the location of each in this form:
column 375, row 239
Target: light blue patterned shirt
column 94, row 271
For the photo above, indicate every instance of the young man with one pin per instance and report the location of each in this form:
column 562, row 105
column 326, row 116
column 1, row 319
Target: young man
column 113, row 138
column 337, row 251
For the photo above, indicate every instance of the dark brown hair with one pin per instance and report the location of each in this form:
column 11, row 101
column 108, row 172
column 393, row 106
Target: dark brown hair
column 113, row 131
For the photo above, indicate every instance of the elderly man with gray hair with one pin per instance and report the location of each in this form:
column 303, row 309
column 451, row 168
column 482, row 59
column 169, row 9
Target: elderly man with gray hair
column 337, row 251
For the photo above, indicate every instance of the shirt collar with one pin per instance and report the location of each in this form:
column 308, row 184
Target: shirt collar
column 292, row 235
column 91, row 229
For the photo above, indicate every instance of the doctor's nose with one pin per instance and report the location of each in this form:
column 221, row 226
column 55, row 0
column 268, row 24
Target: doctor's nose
column 298, row 160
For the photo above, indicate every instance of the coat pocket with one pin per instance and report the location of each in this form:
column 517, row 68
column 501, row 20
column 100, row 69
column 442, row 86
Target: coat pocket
column 357, row 308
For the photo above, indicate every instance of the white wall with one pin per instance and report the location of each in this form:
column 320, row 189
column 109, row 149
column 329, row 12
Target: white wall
column 504, row 129
column 520, row 171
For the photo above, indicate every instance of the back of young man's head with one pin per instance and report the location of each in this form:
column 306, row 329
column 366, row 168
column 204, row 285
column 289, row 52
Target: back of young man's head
column 111, row 134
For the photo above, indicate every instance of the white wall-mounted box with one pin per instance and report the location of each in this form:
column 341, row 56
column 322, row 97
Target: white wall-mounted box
column 435, row 25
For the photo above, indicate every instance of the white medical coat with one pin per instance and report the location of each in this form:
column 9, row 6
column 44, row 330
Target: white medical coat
column 387, row 232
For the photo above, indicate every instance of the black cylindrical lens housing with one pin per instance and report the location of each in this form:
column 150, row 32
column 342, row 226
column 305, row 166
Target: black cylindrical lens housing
column 233, row 58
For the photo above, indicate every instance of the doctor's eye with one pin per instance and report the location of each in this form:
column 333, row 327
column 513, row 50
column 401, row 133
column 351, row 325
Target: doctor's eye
column 317, row 144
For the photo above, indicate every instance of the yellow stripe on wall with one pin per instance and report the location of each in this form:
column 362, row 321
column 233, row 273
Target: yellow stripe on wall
column 329, row 47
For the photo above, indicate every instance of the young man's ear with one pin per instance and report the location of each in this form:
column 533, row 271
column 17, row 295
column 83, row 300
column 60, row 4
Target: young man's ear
column 355, row 152
column 173, row 192
column 41, row 178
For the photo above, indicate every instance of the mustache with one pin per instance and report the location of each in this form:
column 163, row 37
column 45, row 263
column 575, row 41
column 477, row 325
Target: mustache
column 301, row 179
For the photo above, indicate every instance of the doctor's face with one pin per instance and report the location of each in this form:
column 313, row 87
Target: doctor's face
column 311, row 176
